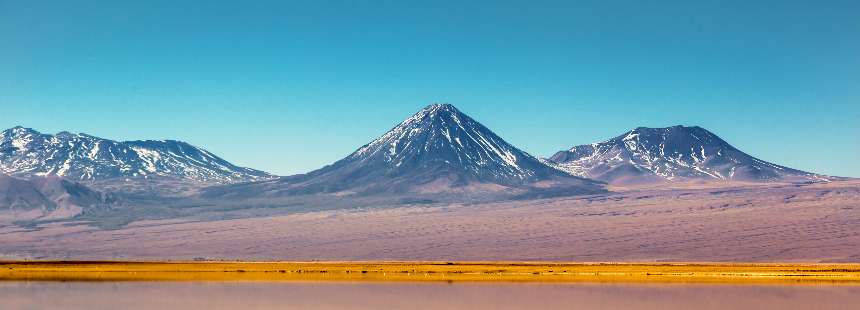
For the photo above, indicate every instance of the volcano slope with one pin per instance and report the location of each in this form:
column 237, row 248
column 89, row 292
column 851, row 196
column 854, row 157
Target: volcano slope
column 437, row 154
column 672, row 154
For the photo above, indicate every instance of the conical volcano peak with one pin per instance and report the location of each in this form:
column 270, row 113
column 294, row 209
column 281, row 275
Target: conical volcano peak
column 441, row 135
column 434, row 127
column 431, row 112
column 437, row 149
column 441, row 107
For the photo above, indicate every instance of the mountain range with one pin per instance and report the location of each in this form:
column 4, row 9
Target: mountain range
column 676, row 153
column 437, row 186
column 438, row 150
column 437, row 154
column 26, row 152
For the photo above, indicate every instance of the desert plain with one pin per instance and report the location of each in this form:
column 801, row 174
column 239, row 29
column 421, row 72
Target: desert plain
column 774, row 222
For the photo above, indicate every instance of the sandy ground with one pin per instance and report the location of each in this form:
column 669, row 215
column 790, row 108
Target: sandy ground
column 778, row 223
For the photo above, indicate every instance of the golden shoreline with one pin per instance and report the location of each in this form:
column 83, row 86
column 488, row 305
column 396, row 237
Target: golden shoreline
column 552, row 272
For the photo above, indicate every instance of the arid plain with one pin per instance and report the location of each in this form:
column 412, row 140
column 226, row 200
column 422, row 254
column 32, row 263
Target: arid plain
column 730, row 222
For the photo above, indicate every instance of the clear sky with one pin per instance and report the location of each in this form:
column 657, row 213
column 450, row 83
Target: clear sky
column 289, row 86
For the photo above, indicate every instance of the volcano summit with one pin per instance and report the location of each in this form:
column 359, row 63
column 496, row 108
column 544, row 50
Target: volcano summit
column 437, row 150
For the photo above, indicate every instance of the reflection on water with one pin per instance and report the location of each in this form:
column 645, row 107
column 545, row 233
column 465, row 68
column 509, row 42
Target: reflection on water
column 362, row 295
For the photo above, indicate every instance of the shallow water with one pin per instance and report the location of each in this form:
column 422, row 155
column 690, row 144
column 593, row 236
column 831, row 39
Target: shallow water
column 374, row 295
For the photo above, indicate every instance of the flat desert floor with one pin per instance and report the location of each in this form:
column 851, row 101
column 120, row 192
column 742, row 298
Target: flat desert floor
column 761, row 223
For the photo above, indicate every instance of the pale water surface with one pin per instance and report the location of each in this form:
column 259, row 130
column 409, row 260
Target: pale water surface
column 363, row 295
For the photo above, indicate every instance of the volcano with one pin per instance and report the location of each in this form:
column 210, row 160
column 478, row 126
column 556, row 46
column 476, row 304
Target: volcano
column 675, row 153
column 435, row 151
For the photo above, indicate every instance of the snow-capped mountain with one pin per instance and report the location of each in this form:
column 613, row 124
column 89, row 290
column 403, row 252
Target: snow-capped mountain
column 671, row 153
column 26, row 152
column 441, row 138
column 438, row 149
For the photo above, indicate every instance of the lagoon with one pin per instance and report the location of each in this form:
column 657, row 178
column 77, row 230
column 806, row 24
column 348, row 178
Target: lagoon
column 421, row 295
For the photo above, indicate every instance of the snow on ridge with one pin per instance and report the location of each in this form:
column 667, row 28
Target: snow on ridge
column 84, row 157
column 440, row 132
column 669, row 153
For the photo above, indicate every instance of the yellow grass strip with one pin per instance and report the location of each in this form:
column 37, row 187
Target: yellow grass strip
column 431, row 271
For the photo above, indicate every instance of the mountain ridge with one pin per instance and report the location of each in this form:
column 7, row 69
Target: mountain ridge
column 48, row 197
column 26, row 152
column 673, row 153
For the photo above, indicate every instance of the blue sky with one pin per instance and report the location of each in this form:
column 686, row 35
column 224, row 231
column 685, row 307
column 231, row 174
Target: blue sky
column 289, row 86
